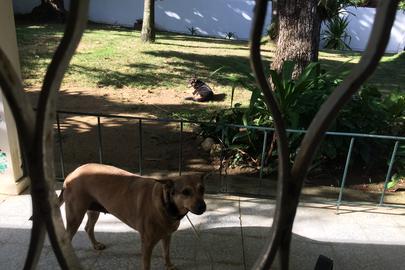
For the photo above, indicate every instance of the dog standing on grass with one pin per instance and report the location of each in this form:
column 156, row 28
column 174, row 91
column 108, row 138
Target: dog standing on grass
column 152, row 207
column 202, row 92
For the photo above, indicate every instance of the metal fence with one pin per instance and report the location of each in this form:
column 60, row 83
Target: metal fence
column 266, row 130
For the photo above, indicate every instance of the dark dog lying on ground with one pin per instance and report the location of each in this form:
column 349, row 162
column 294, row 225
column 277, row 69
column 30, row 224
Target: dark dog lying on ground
column 152, row 207
column 202, row 92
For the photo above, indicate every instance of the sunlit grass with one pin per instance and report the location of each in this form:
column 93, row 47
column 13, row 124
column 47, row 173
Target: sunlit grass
column 115, row 58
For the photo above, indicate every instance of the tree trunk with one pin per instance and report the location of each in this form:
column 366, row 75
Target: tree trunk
column 148, row 25
column 299, row 28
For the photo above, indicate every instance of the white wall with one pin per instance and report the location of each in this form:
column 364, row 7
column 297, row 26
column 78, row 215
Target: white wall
column 218, row 17
column 117, row 12
column 209, row 17
column 24, row 6
column 360, row 25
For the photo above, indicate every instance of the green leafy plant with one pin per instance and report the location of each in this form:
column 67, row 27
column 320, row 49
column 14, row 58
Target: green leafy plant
column 401, row 5
column 288, row 90
column 370, row 111
column 192, row 30
column 230, row 35
column 366, row 3
column 249, row 140
column 335, row 35
column 395, row 179
column 329, row 8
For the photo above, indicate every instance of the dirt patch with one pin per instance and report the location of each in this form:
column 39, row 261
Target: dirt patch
column 164, row 150
column 379, row 187
column 135, row 102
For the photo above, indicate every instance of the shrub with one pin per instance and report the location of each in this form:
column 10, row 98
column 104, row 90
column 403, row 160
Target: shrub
column 230, row 35
column 299, row 100
column 335, row 35
column 192, row 30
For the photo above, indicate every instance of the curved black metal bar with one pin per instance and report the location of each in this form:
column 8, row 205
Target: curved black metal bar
column 284, row 180
column 43, row 194
column 37, row 239
column 377, row 43
column 291, row 184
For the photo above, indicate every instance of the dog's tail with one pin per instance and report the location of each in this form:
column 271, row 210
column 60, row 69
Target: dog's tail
column 60, row 201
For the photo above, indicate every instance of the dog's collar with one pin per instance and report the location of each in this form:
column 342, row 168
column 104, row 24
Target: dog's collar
column 170, row 206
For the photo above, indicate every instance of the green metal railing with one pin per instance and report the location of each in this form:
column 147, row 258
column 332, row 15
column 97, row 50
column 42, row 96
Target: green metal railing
column 265, row 130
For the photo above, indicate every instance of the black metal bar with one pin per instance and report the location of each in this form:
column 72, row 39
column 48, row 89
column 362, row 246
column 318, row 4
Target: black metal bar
column 263, row 155
column 377, row 43
column 290, row 181
column 140, row 147
column 60, row 143
column 100, row 141
column 181, row 148
column 224, row 187
column 40, row 162
column 280, row 231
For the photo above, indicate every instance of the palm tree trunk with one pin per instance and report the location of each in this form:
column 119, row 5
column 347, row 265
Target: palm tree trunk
column 298, row 40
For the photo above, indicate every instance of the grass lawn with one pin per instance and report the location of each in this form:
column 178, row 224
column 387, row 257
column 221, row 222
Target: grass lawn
column 113, row 59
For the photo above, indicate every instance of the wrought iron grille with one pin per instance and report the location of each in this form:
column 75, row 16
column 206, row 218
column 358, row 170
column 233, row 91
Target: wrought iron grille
column 35, row 133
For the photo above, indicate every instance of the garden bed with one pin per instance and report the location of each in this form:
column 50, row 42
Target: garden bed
column 113, row 73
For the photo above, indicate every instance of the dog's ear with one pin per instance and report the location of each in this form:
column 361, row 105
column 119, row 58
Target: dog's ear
column 168, row 184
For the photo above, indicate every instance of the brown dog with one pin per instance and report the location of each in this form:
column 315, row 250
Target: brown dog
column 152, row 207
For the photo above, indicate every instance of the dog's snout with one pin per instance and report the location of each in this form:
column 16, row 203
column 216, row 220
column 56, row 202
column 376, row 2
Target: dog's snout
column 201, row 207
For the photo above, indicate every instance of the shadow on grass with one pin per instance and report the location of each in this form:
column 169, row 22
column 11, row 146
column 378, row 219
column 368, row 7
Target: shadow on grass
column 190, row 62
column 199, row 46
column 150, row 76
column 181, row 66
column 141, row 75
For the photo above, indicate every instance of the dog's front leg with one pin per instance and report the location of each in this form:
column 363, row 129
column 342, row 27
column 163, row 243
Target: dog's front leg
column 148, row 243
column 166, row 252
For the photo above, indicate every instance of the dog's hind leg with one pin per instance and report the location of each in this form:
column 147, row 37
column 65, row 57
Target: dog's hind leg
column 74, row 216
column 92, row 217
